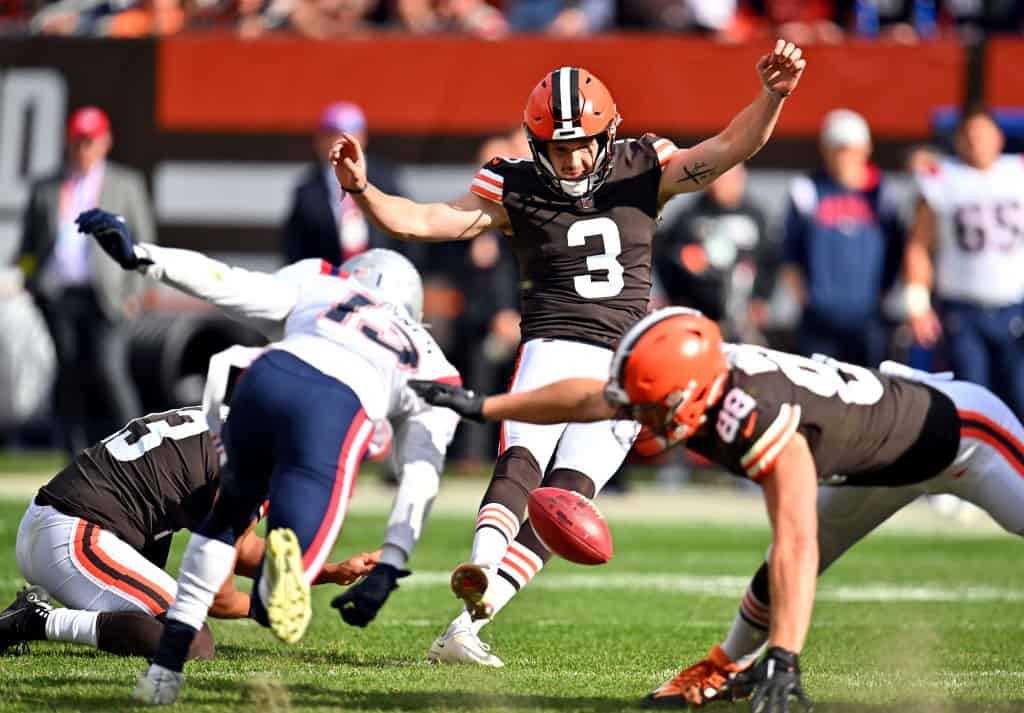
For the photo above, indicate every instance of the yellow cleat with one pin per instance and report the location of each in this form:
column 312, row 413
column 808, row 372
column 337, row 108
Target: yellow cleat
column 288, row 604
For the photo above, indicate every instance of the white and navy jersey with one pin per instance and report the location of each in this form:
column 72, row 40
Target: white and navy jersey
column 341, row 329
column 863, row 427
column 324, row 317
column 980, row 225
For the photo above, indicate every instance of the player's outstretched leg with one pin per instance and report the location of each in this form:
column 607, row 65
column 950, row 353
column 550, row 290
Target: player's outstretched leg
column 207, row 563
column 460, row 642
column 205, row 567
column 491, row 588
column 516, row 473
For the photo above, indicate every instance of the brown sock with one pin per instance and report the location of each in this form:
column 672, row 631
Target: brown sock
column 138, row 634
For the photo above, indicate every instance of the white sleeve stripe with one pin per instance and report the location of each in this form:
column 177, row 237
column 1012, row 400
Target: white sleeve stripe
column 767, row 461
column 484, row 183
column 487, row 188
column 768, row 437
column 492, row 175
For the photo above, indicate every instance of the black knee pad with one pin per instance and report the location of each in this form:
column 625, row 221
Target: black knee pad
column 569, row 479
column 516, row 473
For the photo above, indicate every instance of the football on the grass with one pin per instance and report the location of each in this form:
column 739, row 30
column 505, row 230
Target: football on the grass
column 569, row 525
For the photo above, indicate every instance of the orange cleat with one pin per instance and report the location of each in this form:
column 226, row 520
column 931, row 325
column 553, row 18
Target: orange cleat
column 469, row 582
column 697, row 685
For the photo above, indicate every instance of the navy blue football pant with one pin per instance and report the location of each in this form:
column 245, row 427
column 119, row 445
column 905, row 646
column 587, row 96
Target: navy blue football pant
column 986, row 346
column 295, row 436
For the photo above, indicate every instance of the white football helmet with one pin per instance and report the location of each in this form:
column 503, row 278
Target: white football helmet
column 391, row 277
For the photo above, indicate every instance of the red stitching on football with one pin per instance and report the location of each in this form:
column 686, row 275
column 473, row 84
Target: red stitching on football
column 569, row 525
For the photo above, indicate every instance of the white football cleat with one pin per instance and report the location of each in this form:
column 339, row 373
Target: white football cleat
column 286, row 595
column 462, row 646
column 158, row 686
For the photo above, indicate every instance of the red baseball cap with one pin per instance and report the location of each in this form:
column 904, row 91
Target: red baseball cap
column 88, row 122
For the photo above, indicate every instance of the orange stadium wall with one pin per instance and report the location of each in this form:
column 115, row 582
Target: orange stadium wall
column 672, row 85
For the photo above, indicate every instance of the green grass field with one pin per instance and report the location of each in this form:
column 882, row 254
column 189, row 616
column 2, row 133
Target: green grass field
column 903, row 623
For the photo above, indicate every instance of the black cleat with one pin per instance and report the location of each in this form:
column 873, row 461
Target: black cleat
column 24, row 620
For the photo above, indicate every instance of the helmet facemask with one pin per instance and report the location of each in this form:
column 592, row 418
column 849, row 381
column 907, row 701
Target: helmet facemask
column 575, row 188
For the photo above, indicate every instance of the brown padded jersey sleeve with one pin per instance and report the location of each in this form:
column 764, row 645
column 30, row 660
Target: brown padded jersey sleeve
column 489, row 181
column 750, row 432
column 661, row 147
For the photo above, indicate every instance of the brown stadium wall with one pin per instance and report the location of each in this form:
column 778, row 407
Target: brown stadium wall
column 226, row 120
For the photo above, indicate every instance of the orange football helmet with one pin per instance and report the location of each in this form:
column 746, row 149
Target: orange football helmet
column 671, row 359
column 571, row 103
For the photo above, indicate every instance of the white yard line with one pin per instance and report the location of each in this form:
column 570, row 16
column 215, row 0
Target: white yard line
column 733, row 587
column 648, row 503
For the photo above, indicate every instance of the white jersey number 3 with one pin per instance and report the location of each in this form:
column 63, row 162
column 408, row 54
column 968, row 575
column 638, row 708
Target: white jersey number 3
column 606, row 229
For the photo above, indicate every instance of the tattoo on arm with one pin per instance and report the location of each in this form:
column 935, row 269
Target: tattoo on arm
column 699, row 172
column 471, row 226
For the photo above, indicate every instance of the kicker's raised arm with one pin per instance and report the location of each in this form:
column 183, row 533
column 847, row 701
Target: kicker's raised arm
column 460, row 219
column 694, row 168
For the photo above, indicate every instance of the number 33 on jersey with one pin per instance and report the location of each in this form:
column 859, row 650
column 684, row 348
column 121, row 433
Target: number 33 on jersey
column 585, row 264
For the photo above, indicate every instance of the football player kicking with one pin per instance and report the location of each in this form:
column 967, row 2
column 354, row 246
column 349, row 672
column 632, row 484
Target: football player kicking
column 301, row 417
column 98, row 534
column 789, row 423
column 580, row 218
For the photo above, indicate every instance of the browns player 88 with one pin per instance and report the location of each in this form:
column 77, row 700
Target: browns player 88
column 580, row 218
column 788, row 422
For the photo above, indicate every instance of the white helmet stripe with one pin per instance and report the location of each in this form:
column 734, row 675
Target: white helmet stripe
column 565, row 94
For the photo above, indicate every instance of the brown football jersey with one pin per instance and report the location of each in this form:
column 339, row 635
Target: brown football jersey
column 158, row 474
column 863, row 427
column 584, row 264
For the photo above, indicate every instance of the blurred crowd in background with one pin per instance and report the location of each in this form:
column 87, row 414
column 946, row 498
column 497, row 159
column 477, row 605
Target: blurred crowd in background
column 802, row 21
column 823, row 274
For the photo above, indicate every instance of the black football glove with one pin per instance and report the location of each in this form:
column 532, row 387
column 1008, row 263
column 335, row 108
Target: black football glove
column 360, row 604
column 465, row 402
column 769, row 684
column 113, row 236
